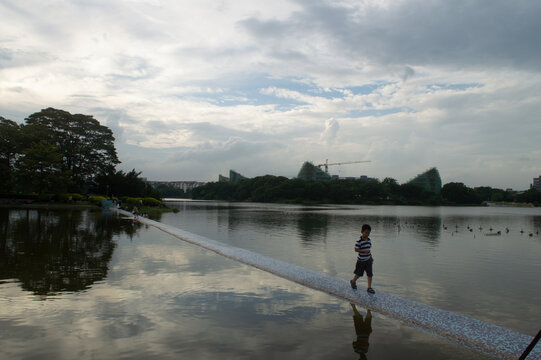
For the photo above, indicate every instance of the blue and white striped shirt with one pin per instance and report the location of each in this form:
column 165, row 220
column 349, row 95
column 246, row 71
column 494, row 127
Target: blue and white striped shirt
column 363, row 245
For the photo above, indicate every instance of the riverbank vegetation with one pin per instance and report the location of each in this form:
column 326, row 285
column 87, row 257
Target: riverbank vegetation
column 55, row 156
column 270, row 188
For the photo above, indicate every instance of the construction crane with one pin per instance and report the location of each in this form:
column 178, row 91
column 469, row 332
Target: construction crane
column 326, row 165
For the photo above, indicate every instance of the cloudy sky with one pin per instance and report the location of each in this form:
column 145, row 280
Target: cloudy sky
column 194, row 88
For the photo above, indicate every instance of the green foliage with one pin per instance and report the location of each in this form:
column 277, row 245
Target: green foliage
column 44, row 197
column 55, row 151
column 486, row 193
column 10, row 143
column 530, row 196
column 70, row 197
column 86, row 147
column 148, row 201
column 120, row 183
column 96, row 199
column 280, row 189
column 39, row 169
column 458, row 193
column 170, row 191
column 391, row 186
column 128, row 202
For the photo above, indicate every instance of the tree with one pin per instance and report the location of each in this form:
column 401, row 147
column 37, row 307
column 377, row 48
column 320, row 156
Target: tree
column 10, row 134
column 459, row 193
column 169, row 191
column 391, row 186
column 87, row 148
column 411, row 191
column 530, row 196
column 39, row 169
column 120, row 183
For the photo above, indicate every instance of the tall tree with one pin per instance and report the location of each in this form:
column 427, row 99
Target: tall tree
column 39, row 169
column 121, row 183
column 9, row 148
column 87, row 148
column 459, row 193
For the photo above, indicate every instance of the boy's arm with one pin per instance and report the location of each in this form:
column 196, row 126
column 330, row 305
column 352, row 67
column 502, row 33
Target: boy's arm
column 367, row 251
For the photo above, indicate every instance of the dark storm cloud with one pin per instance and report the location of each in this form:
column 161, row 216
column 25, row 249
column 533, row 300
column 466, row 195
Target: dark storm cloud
column 456, row 34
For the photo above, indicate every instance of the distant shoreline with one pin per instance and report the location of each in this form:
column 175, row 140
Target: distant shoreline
column 49, row 206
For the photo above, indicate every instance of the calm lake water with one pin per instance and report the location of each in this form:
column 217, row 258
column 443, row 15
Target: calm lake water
column 86, row 284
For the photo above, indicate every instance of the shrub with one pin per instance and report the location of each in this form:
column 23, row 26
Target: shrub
column 45, row 197
column 70, row 197
column 132, row 201
column 148, row 201
column 96, row 199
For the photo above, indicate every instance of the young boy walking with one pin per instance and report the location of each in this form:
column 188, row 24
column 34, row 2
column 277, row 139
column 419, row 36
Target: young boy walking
column 364, row 259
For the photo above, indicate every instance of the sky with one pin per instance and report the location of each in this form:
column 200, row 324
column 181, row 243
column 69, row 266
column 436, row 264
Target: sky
column 192, row 89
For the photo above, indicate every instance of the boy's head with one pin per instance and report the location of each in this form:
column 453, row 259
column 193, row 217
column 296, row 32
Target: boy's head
column 365, row 230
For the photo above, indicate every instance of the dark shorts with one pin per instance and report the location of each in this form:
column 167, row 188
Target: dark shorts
column 363, row 266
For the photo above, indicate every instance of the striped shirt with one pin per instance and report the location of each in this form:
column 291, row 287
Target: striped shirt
column 363, row 245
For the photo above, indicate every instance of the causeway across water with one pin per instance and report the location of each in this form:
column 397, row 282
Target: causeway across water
column 491, row 339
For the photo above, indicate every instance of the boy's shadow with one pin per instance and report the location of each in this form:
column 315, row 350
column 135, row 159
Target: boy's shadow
column 363, row 328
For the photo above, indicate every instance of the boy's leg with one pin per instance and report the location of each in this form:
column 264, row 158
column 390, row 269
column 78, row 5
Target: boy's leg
column 353, row 281
column 369, row 275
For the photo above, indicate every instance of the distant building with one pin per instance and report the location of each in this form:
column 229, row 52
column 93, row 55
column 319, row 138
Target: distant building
column 366, row 178
column 536, row 183
column 309, row 171
column 429, row 180
column 234, row 177
column 183, row 185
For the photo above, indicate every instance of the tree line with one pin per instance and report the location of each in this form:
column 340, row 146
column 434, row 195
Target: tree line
column 270, row 188
column 55, row 152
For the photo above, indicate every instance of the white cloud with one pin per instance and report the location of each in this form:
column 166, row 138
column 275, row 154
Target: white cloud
column 412, row 84
column 331, row 129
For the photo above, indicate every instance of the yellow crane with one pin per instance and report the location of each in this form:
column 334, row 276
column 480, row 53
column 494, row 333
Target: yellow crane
column 326, row 164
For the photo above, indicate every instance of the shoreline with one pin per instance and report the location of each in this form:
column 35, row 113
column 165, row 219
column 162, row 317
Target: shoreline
column 316, row 203
column 50, row 206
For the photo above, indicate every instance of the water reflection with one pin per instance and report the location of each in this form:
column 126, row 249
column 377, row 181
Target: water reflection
column 57, row 251
column 428, row 229
column 312, row 226
column 363, row 329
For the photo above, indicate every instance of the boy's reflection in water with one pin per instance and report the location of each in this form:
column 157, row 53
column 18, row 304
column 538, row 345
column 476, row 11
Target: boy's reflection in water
column 363, row 328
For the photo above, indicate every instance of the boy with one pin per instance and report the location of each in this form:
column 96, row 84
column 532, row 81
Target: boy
column 364, row 259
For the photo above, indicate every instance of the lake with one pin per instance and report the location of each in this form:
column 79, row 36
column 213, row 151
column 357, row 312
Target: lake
column 91, row 284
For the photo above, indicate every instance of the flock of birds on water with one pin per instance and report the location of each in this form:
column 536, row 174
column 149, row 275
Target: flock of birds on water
column 492, row 232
